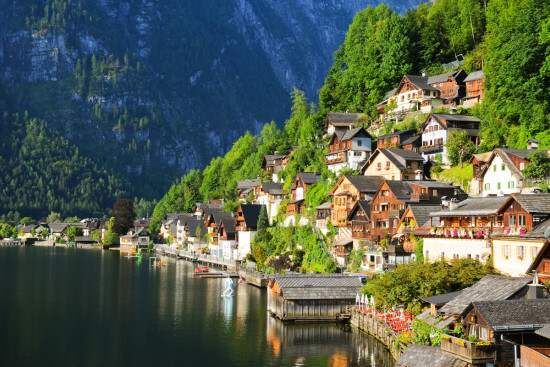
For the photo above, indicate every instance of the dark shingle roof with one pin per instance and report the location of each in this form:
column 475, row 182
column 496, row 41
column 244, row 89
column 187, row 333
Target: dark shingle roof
column 441, row 78
column 272, row 158
column 534, row 203
column 433, row 184
column 309, row 178
column 273, row 188
column 443, row 117
column 515, row 313
column 360, row 204
column 474, row 206
column 475, row 76
column 421, row 213
column 218, row 217
column 251, row 213
column 29, row 227
column 490, row 288
column 441, row 299
column 401, row 189
column 248, row 184
column 365, row 184
column 319, row 286
column 421, row 82
column 390, row 93
column 351, row 133
column 57, row 227
column 193, row 224
column 411, row 140
column 340, row 117
column 399, row 157
column 423, row 356
column 397, row 133
column 229, row 225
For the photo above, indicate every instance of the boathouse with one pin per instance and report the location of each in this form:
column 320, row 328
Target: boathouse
column 312, row 296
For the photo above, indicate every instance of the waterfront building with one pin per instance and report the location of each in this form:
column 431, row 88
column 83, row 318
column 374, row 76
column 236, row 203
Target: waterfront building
column 424, row 356
column 312, row 296
column 213, row 222
column 246, row 225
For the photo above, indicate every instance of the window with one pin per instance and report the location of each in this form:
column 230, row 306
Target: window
column 506, row 250
column 521, row 251
column 477, row 257
column 387, row 164
column 471, row 84
column 534, row 251
column 455, row 257
column 434, row 192
column 503, row 167
column 440, row 84
column 487, row 187
column 512, row 220
column 480, row 82
column 359, row 142
column 521, row 220
column 494, row 167
column 442, row 256
column 521, row 166
column 482, row 333
column 498, row 186
column 379, row 164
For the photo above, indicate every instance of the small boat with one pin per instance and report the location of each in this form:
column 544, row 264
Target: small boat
column 204, row 269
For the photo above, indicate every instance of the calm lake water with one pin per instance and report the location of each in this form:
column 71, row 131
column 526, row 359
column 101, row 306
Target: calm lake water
column 67, row 307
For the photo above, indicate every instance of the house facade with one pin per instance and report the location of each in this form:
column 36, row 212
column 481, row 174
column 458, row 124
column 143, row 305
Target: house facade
column 414, row 93
column 246, row 226
column 340, row 121
column 435, row 132
column 274, row 163
column 227, row 239
column 503, row 172
column 475, row 89
column 394, row 139
column 271, row 194
column 298, row 191
column 394, row 164
column 347, row 148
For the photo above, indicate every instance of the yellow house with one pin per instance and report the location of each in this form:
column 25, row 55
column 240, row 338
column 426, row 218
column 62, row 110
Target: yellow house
column 395, row 165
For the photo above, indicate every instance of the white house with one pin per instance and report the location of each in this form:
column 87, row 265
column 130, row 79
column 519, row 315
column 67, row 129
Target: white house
column 435, row 132
column 246, row 225
column 271, row 194
column 503, row 172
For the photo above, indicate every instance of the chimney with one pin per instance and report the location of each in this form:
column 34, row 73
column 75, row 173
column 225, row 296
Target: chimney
column 532, row 144
column 535, row 290
column 418, row 175
column 453, row 203
column 425, row 73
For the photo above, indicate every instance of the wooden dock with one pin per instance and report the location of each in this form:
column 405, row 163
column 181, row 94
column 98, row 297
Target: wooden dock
column 230, row 274
column 198, row 258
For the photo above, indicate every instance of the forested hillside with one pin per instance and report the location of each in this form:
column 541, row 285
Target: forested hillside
column 509, row 39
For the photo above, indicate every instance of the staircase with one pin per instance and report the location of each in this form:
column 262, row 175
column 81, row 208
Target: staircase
column 343, row 233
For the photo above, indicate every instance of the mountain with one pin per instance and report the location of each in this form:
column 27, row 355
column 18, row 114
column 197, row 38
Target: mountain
column 151, row 89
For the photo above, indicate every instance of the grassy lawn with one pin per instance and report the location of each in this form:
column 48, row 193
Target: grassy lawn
column 458, row 175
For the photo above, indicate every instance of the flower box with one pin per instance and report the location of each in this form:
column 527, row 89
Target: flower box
column 460, row 342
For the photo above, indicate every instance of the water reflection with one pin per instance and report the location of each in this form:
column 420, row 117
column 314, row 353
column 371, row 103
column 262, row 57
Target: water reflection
column 67, row 307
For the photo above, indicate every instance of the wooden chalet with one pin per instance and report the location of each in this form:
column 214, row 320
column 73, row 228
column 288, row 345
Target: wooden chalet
column 501, row 327
column 475, row 88
column 312, row 297
column 413, row 143
column 301, row 182
column 213, row 222
column 394, row 164
column 347, row 148
column 415, row 216
column 435, row 131
column 274, row 163
column 202, row 210
column 450, row 85
column 393, row 197
column 347, row 191
column 537, row 355
column 395, row 139
column 342, row 249
column 359, row 217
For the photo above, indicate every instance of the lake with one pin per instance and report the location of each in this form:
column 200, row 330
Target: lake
column 77, row 307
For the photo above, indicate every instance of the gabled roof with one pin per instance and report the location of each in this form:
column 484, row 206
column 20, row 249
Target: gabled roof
column 398, row 133
column 309, row 178
column 473, row 207
column 228, row 225
column 542, row 253
column 489, row 288
column 444, row 118
column 193, row 224
column 273, row 188
column 217, row 217
column 421, row 213
column 423, row 356
column 441, row 299
column 420, row 82
column 360, row 204
column 391, row 93
column 271, row 159
column 251, row 214
column 413, row 139
column 29, row 227
column 326, row 205
column 351, row 133
column 398, row 157
column 363, row 184
column 514, row 314
column 442, row 78
column 58, row 227
column 248, row 184
column 532, row 203
column 401, row 189
column 342, row 117
column 475, row 76
column 318, row 286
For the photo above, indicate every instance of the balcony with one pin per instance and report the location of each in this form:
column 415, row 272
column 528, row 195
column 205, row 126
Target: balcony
column 470, row 352
column 394, row 248
column 431, row 148
column 339, row 159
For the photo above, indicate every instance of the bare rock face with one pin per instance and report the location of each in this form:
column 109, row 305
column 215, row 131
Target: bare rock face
column 174, row 83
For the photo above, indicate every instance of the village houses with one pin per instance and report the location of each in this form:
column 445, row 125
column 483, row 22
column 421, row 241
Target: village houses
column 340, row 121
column 348, row 148
column 394, row 164
column 271, row 194
column 475, row 89
column 300, row 184
column 246, row 225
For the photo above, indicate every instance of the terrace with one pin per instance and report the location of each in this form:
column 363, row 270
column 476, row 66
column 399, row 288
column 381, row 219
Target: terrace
column 471, row 352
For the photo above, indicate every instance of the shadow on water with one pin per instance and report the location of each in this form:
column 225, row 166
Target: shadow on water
column 67, row 307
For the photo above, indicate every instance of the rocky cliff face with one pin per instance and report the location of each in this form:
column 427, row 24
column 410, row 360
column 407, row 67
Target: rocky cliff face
column 158, row 87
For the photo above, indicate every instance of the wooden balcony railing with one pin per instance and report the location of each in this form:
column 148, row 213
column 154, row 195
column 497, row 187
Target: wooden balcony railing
column 470, row 352
column 395, row 213
column 431, row 148
column 339, row 159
